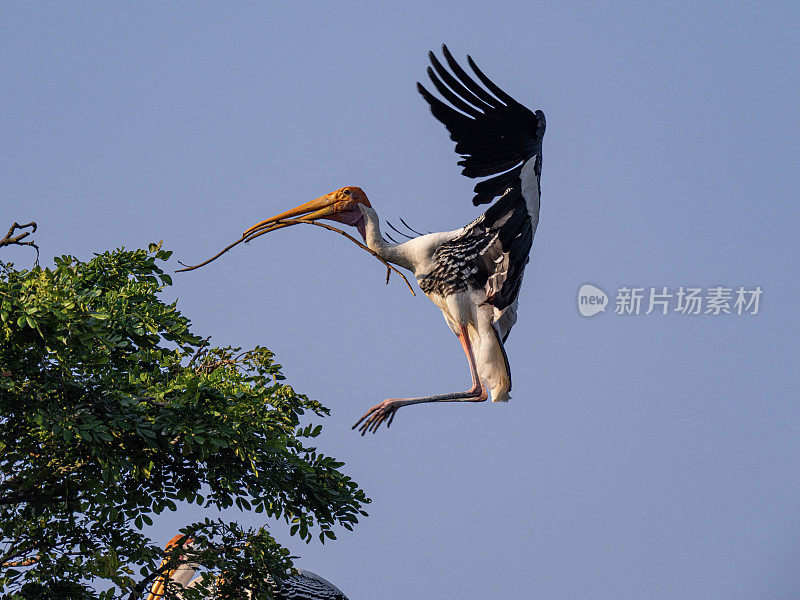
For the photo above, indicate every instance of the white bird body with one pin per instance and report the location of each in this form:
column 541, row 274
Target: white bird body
column 469, row 307
column 473, row 274
column 460, row 308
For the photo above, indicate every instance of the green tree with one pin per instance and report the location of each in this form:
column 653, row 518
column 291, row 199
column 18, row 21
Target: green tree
column 112, row 411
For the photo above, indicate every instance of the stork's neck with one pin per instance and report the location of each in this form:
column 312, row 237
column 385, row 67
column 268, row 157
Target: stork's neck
column 372, row 237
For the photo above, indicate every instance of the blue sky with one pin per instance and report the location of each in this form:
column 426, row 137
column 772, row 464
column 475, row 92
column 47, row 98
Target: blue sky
column 643, row 456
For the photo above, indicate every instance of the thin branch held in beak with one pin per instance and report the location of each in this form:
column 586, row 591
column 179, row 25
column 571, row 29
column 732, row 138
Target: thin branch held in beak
column 255, row 232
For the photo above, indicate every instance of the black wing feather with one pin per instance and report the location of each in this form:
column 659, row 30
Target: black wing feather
column 457, row 86
column 462, row 75
column 494, row 133
column 451, row 97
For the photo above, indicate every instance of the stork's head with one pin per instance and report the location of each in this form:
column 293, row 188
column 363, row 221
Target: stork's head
column 343, row 206
column 181, row 574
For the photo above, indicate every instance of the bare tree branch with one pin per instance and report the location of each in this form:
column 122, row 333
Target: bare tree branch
column 202, row 350
column 16, row 240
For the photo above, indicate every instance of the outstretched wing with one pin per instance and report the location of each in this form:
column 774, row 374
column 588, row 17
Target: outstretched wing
column 495, row 134
column 501, row 140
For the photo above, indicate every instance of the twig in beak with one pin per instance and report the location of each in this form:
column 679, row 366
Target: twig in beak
column 286, row 222
column 213, row 258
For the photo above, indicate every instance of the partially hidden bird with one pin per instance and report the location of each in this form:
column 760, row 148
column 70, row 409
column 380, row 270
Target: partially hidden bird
column 473, row 274
column 302, row 585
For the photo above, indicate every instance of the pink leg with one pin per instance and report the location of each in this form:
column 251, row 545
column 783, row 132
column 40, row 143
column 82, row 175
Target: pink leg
column 386, row 410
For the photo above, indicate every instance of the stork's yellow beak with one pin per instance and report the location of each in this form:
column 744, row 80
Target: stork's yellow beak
column 321, row 207
column 157, row 591
column 340, row 205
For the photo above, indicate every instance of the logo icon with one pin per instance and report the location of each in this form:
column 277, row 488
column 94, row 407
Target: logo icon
column 591, row 300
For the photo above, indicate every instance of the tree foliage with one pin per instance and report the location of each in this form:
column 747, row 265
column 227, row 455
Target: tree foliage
column 113, row 411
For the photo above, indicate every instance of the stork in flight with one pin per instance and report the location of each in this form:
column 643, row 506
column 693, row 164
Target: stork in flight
column 304, row 585
column 473, row 274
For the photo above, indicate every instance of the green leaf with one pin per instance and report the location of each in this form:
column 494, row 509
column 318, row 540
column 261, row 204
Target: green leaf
column 117, row 427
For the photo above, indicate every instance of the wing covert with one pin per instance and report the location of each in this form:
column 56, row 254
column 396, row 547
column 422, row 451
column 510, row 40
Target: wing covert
column 490, row 254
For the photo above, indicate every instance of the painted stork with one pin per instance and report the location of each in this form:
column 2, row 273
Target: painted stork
column 473, row 274
column 304, row 585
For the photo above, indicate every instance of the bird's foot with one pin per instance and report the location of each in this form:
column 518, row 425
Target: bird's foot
column 376, row 415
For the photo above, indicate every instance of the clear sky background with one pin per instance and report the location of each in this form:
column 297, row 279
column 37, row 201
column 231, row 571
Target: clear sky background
column 642, row 456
